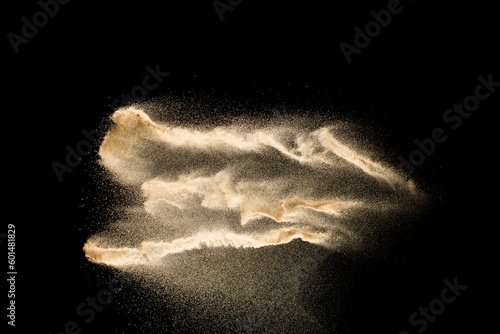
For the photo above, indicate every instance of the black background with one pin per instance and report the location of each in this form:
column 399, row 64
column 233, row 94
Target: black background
column 429, row 57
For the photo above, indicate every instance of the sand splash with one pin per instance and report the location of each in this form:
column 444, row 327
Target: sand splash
column 237, row 187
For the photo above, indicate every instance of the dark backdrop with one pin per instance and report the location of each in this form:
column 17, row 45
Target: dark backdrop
column 281, row 53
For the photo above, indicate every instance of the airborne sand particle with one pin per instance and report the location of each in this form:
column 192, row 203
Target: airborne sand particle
column 236, row 189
